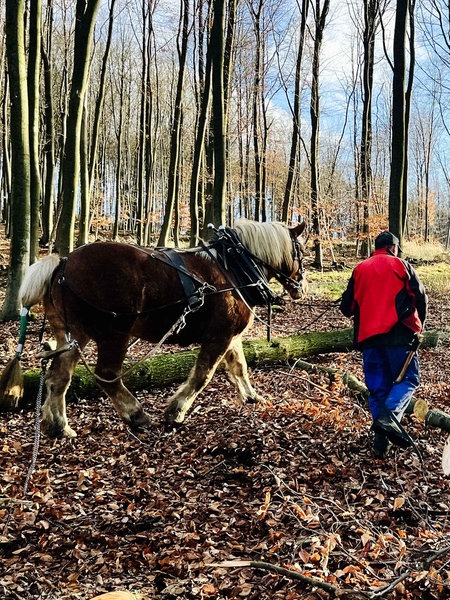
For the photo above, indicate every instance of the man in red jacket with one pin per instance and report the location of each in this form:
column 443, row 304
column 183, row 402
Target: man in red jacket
column 389, row 304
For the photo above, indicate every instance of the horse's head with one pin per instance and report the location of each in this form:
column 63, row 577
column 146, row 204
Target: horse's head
column 279, row 249
column 295, row 283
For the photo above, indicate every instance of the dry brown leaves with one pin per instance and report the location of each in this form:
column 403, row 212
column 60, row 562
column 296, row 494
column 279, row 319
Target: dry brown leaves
column 292, row 484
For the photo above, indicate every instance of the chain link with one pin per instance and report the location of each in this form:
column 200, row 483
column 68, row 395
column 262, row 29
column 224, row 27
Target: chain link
column 37, row 427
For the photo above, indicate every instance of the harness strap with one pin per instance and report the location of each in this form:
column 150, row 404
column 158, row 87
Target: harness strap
column 192, row 286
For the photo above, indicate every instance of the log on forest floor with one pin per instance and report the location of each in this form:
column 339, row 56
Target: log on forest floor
column 174, row 367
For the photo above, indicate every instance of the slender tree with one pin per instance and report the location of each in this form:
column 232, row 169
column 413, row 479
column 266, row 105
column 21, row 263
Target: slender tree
column 49, row 132
column 20, row 156
column 174, row 160
column 296, row 113
column 408, row 99
column 86, row 11
column 398, row 145
column 320, row 16
column 89, row 157
column 199, row 145
column 34, row 61
column 371, row 9
column 218, row 120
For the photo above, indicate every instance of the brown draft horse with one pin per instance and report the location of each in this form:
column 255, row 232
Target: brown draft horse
column 111, row 292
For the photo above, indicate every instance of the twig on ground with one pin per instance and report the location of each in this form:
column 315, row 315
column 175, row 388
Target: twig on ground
column 290, row 574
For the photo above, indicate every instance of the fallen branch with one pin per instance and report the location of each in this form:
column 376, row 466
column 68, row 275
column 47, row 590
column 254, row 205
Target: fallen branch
column 290, row 574
column 388, row 588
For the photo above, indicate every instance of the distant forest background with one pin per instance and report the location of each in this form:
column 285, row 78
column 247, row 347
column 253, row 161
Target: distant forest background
column 151, row 119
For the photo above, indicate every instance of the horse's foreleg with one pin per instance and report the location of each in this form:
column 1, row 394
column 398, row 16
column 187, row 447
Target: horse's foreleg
column 109, row 364
column 209, row 357
column 54, row 417
column 237, row 370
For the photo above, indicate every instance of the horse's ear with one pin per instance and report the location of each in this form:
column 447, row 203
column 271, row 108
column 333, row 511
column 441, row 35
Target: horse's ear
column 298, row 229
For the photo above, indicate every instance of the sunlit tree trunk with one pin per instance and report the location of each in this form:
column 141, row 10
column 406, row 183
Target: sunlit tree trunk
column 20, row 156
column 174, row 160
column 5, row 185
column 256, row 108
column 320, row 15
column 34, row 61
column 86, row 11
column 296, row 115
column 142, row 143
column 398, row 153
column 49, row 134
column 119, row 121
column 83, row 228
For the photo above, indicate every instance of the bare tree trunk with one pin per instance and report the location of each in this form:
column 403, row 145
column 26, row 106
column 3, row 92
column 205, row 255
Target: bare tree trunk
column 100, row 98
column 34, row 61
column 218, row 109
column 174, row 161
column 83, row 228
column 320, row 15
column 296, row 116
column 396, row 188
column 408, row 96
column 6, row 158
column 119, row 137
column 85, row 18
column 48, row 195
column 199, row 146
column 371, row 9
column 256, row 108
column 20, row 156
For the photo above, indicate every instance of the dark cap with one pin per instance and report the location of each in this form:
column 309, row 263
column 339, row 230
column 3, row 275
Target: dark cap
column 386, row 239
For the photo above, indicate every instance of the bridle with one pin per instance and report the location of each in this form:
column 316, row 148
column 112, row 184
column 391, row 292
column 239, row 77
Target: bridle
column 294, row 280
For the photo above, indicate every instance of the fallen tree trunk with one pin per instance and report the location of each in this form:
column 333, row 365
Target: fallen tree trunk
column 174, row 367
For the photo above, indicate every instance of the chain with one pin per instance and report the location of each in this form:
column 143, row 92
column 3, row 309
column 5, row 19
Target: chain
column 176, row 328
column 37, row 427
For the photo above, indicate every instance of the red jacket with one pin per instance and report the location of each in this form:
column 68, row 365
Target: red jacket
column 386, row 298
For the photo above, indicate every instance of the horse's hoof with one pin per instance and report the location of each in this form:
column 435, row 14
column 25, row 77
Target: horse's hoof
column 139, row 419
column 69, row 432
column 57, row 430
column 257, row 399
column 173, row 420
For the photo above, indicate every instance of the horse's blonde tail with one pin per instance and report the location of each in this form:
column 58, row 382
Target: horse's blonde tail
column 37, row 279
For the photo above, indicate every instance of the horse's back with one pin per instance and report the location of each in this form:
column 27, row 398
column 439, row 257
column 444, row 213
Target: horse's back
column 114, row 275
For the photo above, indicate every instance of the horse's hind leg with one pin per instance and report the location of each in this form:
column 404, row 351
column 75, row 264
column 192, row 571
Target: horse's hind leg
column 237, row 370
column 209, row 357
column 111, row 354
column 54, row 417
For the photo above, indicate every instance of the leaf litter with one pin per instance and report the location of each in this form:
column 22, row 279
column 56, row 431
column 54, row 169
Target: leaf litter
column 181, row 514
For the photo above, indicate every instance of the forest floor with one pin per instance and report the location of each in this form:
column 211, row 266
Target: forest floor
column 292, row 484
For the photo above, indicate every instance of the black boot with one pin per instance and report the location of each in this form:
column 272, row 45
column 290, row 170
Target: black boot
column 385, row 424
column 380, row 445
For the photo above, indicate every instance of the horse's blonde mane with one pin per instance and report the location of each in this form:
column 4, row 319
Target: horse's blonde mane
column 37, row 279
column 271, row 242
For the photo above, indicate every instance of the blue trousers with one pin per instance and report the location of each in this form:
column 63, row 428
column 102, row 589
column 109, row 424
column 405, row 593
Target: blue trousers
column 381, row 367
